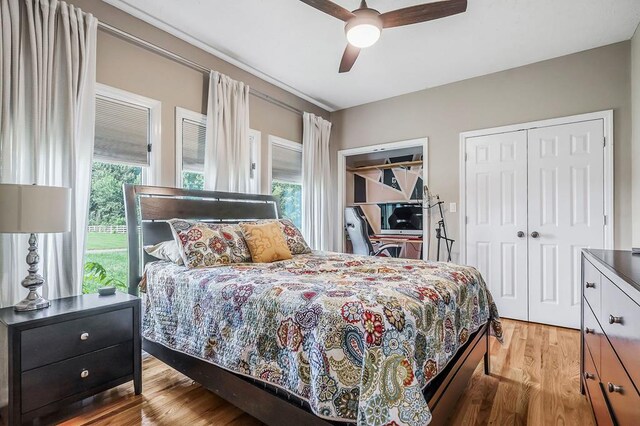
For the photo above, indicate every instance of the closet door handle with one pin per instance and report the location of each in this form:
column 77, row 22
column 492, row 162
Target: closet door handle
column 520, row 234
column 535, row 234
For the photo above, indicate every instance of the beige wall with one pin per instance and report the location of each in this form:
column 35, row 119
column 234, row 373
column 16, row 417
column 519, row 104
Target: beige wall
column 129, row 67
column 635, row 103
column 589, row 81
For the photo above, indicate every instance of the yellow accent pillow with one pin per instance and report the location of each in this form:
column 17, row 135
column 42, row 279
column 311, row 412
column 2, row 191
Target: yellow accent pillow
column 266, row 242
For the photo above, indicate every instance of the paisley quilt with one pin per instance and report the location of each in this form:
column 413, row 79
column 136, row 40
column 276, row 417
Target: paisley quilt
column 356, row 337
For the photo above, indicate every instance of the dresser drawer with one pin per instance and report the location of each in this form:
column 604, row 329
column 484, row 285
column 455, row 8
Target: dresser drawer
column 76, row 337
column 45, row 385
column 591, row 284
column 622, row 395
column 592, row 333
column 594, row 392
column 620, row 321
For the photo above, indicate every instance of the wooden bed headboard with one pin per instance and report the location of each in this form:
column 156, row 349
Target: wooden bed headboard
column 147, row 209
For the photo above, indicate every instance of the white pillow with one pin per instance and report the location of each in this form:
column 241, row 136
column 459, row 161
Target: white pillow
column 166, row 250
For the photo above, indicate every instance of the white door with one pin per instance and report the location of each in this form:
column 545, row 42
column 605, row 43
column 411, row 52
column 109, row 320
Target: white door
column 496, row 200
column 566, row 214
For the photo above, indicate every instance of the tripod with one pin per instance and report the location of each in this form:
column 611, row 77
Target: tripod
column 441, row 230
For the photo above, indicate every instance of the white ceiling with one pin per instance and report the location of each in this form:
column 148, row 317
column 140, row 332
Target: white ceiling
column 299, row 48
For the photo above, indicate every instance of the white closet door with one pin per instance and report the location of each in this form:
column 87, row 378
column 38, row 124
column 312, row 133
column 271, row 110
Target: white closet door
column 496, row 200
column 566, row 214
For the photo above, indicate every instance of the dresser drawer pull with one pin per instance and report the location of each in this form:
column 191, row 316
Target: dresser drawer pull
column 588, row 330
column 615, row 320
column 589, row 376
column 84, row 336
column 614, row 388
column 591, row 285
column 85, row 373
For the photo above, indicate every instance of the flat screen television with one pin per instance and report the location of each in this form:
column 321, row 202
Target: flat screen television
column 401, row 219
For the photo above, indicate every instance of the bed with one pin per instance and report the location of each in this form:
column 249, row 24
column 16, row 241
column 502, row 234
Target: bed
column 323, row 338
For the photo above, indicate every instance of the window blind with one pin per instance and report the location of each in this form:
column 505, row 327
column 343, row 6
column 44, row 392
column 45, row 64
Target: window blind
column 286, row 164
column 193, row 143
column 122, row 132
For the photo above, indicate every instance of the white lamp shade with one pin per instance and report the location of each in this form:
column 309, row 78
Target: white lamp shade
column 26, row 209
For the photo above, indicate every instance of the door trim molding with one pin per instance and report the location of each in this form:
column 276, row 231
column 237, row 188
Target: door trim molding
column 607, row 118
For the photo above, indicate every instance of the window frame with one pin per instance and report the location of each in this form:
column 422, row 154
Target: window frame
column 255, row 147
column 256, row 161
column 283, row 143
column 150, row 174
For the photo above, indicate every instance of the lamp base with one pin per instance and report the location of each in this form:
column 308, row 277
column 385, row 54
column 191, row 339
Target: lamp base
column 32, row 302
column 33, row 281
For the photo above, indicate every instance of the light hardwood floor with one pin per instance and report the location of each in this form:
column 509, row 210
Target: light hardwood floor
column 534, row 380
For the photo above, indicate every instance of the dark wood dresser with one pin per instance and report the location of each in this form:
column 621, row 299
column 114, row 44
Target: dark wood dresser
column 611, row 335
column 74, row 349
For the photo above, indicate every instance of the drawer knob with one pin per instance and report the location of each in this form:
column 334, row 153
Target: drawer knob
column 85, row 373
column 84, row 336
column 615, row 320
column 590, row 285
column 588, row 330
column 614, row 388
column 589, row 376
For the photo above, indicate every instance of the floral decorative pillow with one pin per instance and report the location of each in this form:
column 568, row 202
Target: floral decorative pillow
column 292, row 235
column 207, row 244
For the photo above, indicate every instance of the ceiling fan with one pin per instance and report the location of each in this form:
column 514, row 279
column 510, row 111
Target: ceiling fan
column 364, row 24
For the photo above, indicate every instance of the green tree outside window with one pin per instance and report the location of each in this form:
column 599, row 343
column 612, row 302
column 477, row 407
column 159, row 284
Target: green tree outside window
column 289, row 196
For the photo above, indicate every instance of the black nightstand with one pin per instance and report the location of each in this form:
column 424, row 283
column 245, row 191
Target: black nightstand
column 74, row 349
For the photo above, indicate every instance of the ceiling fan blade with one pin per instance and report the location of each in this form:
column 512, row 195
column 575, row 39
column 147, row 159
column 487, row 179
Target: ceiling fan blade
column 330, row 8
column 423, row 12
column 349, row 58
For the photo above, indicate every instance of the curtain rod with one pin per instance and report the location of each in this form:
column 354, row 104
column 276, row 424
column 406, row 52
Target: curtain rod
column 184, row 61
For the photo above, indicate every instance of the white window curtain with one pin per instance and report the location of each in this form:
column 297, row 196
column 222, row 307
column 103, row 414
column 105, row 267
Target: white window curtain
column 227, row 157
column 47, row 114
column 317, row 208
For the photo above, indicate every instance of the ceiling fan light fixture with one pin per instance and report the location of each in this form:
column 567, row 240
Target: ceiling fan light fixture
column 364, row 29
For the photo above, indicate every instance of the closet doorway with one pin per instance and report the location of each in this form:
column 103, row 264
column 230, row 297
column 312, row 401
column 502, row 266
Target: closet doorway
column 532, row 197
column 385, row 183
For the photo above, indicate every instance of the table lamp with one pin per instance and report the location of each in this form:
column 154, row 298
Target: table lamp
column 33, row 209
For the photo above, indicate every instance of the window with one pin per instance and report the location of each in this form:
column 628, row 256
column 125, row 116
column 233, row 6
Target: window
column 190, row 146
column 125, row 151
column 285, row 160
column 190, row 143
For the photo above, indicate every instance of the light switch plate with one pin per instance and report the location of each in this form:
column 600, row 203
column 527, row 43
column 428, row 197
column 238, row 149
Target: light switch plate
column 452, row 207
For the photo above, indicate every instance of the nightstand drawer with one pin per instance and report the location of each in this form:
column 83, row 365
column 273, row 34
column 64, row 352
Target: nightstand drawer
column 45, row 385
column 76, row 337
